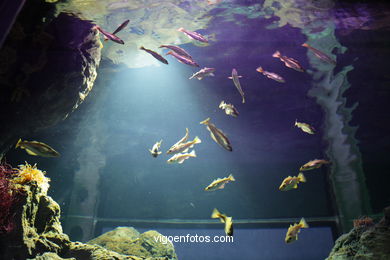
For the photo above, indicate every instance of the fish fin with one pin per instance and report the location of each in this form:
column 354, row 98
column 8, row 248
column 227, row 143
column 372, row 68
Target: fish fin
column 276, row 54
column 222, row 104
column 192, row 153
column 260, row 69
column 18, row 143
column 230, row 77
column 205, row 122
column 181, row 161
column 296, row 122
column 303, row 223
column 301, row 177
column 31, row 152
column 159, row 152
column 186, row 150
column 197, row 140
column 231, row 178
column 215, row 213
column 212, row 74
column 305, row 45
column 239, row 76
column 150, row 151
column 199, row 78
column 295, row 186
column 181, row 29
column 222, row 186
column 191, row 77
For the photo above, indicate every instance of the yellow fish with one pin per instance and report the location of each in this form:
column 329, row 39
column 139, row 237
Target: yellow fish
column 181, row 157
column 220, row 183
column 224, row 219
column 293, row 230
column 184, row 139
column 292, row 182
column 183, row 147
column 314, row 164
column 37, row 148
column 305, row 127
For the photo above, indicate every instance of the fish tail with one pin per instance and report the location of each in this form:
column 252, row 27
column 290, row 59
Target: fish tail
column 303, row 223
column 181, row 29
column 205, row 122
column 142, row 48
column 276, row 54
column 231, row 177
column 18, row 143
column 187, row 131
column 296, row 122
column 222, row 104
column 260, row 69
column 301, row 177
column 192, row 153
column 305, row 45
column 215, row 214
column 197, row 140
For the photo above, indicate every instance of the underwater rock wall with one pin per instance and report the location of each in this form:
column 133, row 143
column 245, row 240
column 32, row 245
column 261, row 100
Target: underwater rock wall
column 37, row 234
column 366, row 241
column 46, row 71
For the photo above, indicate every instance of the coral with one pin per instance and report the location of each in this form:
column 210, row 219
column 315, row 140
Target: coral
column 7, row 199
column 27, row 173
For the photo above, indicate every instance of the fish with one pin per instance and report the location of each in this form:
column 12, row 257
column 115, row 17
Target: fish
column 193, row 35
column 182, row 140
column 213, row 2
column 155, row 151
column 319, row 54
column 203, row 73
column 293, row 230
column 181, row 157
column 184, row 147
column 219, row 183
column 178, row 50
column 235, row 77
column 37, row 148
column 290, row 183
column 218, row 136
column 314, row 164
column 224, row 219
column 289, row 62
column 110, row 36
column 229, row 109
column 120, row 28
column 305, row 127
column 183, row 59
column 271, row 75
column 155, row 55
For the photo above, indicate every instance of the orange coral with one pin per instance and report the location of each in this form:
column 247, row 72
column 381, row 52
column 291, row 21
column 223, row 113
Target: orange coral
column 29, row 173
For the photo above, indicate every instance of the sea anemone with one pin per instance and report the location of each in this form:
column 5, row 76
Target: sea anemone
column 29, row 173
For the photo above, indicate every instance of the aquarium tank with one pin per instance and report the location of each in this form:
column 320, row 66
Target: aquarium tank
column 194, row 129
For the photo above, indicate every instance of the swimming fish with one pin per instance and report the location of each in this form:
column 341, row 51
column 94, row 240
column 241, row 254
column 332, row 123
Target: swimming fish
column 219, row 183
column 290, row 183
column 305, row 127
column 271, row 75
column 183, row 147
column 178, row 50
column 229, row 109
column 110, row 36
column 314, row 164
column 181, row 157
column 193, row 35
column 319, row 54
column 203, row 73
column 218, row 136
column 224, row 219
column 155, row 55
column 184, row 139
column 293, row 230
column 235, row 77
column 289, row 62
column 120, row 28
column 37, row 148
column 155, row 151
column 183, row 59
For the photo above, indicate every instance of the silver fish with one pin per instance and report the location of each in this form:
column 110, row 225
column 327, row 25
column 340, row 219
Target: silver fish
column 183, row 59
column 319, row 54
column 120, row 28
column 235, row 77
column 155, row 55
column 203, row 73
column 229, row 109
column 110, row 36
column 271, row 75
column 218, row 136
column 193, row 35
column 178, row 50
column 289, row 62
